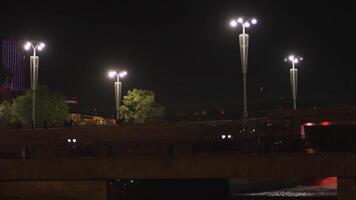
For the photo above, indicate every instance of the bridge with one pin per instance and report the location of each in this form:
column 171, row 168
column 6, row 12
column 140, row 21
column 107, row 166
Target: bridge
column 72, row 177
column 43, row 164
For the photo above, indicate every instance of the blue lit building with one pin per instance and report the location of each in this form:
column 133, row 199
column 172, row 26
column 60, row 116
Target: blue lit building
column 13, row 60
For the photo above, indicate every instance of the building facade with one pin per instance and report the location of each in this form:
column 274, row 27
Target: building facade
column 13, row 60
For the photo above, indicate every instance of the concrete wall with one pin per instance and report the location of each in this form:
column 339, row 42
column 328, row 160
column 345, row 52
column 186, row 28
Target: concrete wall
column 346, row 188
column 199, row 166
column 61, row 190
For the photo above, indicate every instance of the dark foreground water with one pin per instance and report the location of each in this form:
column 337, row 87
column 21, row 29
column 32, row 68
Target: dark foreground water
column 298, row 193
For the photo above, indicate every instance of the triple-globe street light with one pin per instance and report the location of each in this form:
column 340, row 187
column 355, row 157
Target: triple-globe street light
column 117, row 86
column 243, row 41
column 34, row 65
column 294, row 60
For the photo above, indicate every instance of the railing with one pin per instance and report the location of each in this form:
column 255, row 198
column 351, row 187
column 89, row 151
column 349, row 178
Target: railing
column 214, row 116
column 246, row 144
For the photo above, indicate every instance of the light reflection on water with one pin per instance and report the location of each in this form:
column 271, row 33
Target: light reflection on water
column 299, row 191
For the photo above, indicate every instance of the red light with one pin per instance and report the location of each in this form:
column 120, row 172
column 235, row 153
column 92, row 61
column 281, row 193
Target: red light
column 325, row 123
column 310, row 151
column 327, row 182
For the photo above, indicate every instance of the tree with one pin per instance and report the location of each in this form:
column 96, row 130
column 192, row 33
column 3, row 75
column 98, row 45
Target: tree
column 50, row 107
column 8, row 117
column 141, row 105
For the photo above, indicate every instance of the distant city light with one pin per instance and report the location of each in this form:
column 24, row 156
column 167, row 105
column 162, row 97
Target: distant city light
column 325, row 123
column 229, row 136
column 223, row 136
column 309, row 124
column 71, row 140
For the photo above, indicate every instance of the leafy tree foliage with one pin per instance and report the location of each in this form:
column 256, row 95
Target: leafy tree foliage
column 141, row 105
column 8, row 117
column 50, row 107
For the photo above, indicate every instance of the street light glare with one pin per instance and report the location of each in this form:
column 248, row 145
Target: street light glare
column 27, row 46
column 233, row 23
column 296, row 60
column 41, row 46
column 122, row 74
column 112, row 74
column 254, row 21
column 247, row 24
column 291, row 58
column 240, row 20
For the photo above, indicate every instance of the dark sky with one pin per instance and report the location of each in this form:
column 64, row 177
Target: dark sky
column 186, row 52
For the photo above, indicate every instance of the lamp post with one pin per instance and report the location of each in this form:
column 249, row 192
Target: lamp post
column 34, row 65
column 117, row 86
column 243, row 41
column 293, row 72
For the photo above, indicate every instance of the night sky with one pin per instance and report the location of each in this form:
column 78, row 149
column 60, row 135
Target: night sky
column 186, row 52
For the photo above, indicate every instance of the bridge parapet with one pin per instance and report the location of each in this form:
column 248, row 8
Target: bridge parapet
column 151, row 167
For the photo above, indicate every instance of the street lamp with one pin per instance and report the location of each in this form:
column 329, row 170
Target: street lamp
column 243, row 40
column 294, row 76
column 117, row 86
column 34, row 65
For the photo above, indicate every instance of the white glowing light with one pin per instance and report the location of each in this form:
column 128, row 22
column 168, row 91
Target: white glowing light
column 74, row 140
column 41, row 46
column 254, row 21
column 296, row 60
column 69, row 140
column 240, row 20
column 229, row 136
column 123, row 74
column 112, row 74
column 223, row 136
column 247, row 24
column 233, row 23
column 27, row 46
column 291, row 58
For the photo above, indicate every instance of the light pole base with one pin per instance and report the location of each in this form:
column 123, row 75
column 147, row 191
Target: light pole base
column 244, row 115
